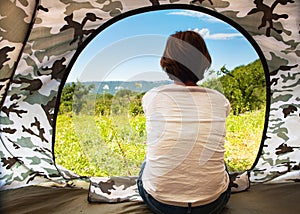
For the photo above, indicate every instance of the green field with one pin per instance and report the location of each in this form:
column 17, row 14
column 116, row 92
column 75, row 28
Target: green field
column 114, row 145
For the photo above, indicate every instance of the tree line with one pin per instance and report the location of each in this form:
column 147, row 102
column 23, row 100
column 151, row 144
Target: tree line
column 244, row 87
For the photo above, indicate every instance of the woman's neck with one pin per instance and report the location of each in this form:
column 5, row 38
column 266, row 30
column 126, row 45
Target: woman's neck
column 189, row 83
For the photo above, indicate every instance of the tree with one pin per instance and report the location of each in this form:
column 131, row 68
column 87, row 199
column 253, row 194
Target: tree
column 66, row 99
column 124, row 93
column 135, row 106
column 80, row 95
column 103, row 103
column 244, row 86
column 72, row 97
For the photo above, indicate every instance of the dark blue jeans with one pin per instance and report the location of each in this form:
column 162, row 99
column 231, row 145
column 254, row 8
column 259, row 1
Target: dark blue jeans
column 160, row 208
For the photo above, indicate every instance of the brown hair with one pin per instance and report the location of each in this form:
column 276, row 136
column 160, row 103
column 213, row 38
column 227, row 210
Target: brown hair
column 185, row 57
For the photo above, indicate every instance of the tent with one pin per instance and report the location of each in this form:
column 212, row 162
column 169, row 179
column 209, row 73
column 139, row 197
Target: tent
column 40, row 41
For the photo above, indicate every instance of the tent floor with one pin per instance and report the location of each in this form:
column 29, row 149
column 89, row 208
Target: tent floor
column 259, row 199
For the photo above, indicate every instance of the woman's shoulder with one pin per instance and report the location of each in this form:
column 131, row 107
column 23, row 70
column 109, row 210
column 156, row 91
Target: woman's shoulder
column 154, row 91
column 160, row 88
column 213, row 91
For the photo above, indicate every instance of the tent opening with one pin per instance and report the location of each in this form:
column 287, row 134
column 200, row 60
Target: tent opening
column 100, row 128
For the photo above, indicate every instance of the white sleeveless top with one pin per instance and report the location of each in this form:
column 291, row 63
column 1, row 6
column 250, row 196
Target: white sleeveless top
column 185, row 144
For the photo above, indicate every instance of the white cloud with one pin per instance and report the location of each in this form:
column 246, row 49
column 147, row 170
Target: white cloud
column 196, row 14
column 205, row 33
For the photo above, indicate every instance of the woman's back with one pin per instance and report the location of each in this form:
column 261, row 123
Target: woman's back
column 185, row 144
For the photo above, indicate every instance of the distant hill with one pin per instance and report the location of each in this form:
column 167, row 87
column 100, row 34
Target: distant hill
column 112, row 87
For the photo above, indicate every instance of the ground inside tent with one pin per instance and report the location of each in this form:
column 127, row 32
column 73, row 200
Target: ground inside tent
column 259, row 199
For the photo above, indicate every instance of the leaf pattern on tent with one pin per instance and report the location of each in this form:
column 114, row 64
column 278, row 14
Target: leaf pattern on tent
column 268, row 14
column 35, row 61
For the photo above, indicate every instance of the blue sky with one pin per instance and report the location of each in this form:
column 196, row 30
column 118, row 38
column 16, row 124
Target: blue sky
column 130, row 49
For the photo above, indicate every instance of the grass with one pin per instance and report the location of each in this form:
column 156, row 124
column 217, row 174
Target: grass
column 114, row 145
column 243, row 138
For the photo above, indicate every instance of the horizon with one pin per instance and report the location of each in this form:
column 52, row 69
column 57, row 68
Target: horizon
column 144, row 80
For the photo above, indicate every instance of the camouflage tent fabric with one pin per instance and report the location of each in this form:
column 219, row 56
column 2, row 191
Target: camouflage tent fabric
column 39, row 41
column 113, row 189
column 124, row 188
